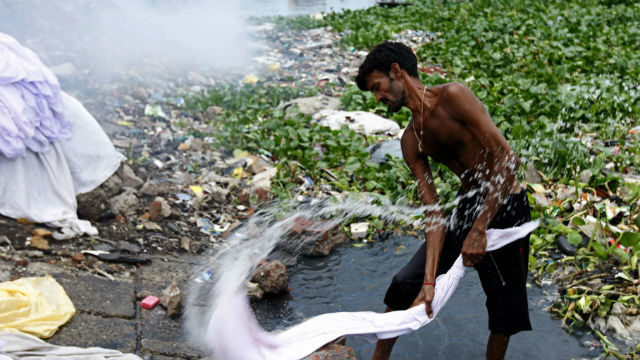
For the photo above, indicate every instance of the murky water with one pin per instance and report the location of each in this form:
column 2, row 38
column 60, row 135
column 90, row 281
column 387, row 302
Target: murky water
column 355, row 279
column 300, row 7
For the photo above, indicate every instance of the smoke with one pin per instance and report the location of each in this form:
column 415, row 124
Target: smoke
column 106, row 36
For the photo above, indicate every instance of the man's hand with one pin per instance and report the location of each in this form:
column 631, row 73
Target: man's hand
column 474, row 247
column 425, row 297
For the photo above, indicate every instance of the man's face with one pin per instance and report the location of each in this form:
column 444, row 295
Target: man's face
column 388, row 90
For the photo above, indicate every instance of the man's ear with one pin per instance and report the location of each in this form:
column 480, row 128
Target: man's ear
column 395, row 71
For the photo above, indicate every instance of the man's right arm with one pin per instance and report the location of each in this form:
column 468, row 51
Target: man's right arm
column 434, row 217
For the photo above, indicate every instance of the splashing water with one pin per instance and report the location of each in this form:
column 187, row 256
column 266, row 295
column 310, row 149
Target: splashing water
column 270, row 228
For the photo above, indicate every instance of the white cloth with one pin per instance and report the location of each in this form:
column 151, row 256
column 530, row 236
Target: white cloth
column 42, row 186
column 234, row 333
column 16, row 345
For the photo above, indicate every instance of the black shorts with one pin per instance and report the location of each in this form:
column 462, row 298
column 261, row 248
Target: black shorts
column 503, row 272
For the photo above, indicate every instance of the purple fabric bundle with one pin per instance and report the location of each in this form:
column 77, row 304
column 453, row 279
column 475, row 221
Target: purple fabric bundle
column 31, row 111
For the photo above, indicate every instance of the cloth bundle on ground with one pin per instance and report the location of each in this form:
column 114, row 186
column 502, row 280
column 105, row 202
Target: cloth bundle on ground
column 51, row 148
column 234, row 333
column 35, row 305
column 26, row 347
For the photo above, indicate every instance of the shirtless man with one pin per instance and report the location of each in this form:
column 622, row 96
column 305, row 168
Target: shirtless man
column 451, row 126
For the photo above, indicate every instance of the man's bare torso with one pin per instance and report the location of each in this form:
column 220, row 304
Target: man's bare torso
column 459, row 145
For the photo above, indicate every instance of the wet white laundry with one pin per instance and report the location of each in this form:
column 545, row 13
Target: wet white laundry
column 234, row 333
column 17, row 345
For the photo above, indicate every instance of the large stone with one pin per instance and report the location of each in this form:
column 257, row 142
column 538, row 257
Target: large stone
column 614, row 323
column 125, row 203
column 314, row 238
column 92, row 204
column 311, row 105
column 129, row 177
column 218, row 194
column 541, row 199
column 272, row 277
column 565, row 193
column 151, row 188
column 171, row 299
column 531, row 174
column 212, row 112
column 112, row 185
column 585, row 176
column 155, row 211
column 333, row 352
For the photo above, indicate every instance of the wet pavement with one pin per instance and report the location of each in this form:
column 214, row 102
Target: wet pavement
column 108, row 313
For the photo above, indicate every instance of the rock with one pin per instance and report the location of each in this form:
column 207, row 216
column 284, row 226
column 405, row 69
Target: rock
column 311, row 105
column 541, row 199
column 165, row 207
column 531, row 174
column 152, row 226
column 125, row 203
column 212, row 112
column 262, row 194
column 92, row 204
column 333, row 352
column 42, row 233
column 316, row 238
column 39, row 243
column 112, row 185
column 78, row 258
column 140, row 94
column 218, row 194
column 129, row 177
column 634, row 326
column 614, row 323
column 151, row 188
column 155, row 211
column 171, row 299
column 185, row 243
column 359, row 230
column 585, row 176
column 565, row 193
column 618, row 309
column 22, row 262
column 263, row 180
column 272, row 277
column 361, row 122
column 379, row 151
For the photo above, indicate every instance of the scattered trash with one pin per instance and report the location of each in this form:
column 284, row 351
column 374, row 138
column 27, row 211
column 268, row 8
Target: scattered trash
column 149, row 302
column 37, row 305
column 359, row 230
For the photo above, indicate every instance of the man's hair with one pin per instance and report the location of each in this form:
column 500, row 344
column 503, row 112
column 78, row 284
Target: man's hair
column 381, row 58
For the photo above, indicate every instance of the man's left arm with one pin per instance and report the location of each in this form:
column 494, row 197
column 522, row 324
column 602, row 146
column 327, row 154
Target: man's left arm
column 501, row 162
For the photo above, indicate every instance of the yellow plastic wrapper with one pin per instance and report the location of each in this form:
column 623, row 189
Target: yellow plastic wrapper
column 198, row 190
column 36, row 305
column 237, row 172
column 250, row 79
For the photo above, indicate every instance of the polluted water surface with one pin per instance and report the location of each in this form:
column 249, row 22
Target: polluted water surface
column 354, row 279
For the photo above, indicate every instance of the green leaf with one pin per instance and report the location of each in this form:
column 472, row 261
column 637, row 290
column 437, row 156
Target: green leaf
column 574, row 238
column 600, row 250
column 620, row 254
column 629, row 239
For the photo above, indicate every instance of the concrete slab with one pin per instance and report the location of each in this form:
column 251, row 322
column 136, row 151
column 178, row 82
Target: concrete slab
column 85, row 330
column 100, row 296
column 156, row 276
column 163, row 335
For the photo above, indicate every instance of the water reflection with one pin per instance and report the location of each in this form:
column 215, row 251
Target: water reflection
column 355, row 279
